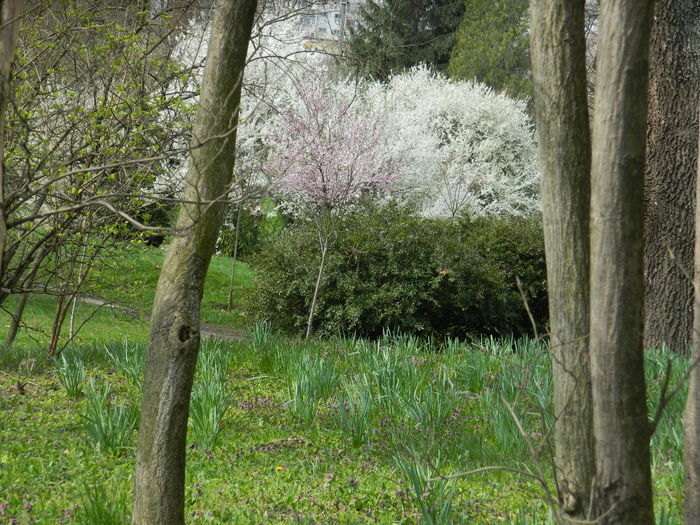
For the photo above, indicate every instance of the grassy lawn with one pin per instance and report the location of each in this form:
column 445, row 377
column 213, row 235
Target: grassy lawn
column 128, row 278
column 342, row 431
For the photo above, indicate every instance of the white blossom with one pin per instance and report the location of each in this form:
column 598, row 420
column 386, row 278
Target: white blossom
column 463, row 147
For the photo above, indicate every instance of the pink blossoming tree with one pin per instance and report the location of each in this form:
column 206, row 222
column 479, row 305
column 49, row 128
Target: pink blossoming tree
column 328, row 155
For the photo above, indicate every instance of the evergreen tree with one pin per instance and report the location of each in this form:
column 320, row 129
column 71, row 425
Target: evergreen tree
column 492, row 46
column 393, row 35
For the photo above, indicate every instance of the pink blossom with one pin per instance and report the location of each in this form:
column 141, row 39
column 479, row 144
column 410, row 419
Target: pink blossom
column 328, row 154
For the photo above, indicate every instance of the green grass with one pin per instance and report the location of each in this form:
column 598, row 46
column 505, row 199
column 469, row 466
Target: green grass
column 131, row 277
column 128, row 278
column 104, row 324
column 365, row 453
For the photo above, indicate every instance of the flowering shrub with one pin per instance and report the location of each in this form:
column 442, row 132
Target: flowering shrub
column 328, row 154
column 463, row 147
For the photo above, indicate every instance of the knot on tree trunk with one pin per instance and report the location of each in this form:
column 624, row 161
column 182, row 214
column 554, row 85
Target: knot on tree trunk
column 184, row 333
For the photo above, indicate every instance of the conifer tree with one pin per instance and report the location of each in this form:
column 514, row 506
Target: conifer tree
column 492, row 46
column 394, row 35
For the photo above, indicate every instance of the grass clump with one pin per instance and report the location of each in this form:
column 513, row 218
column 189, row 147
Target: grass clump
column 210, row 399
column 355, row 407
column 129, row 359
column 110, row 425
column 100, row 507
column 433, row 496
column 71, row 374
column 208, row 406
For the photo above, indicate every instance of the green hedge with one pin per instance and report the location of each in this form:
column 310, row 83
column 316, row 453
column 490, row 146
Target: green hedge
column 389, row 268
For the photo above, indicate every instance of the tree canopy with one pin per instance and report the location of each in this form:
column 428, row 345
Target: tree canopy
column 492, row 46
column 393, row 35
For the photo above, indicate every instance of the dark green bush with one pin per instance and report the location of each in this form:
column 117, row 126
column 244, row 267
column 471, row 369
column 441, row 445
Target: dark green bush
column 389, row 268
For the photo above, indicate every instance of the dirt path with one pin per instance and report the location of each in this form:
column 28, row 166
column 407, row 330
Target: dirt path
column 217, row 331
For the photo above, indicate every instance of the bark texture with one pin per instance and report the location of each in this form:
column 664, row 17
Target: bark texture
column 691, row 418
column 621, row 428
column 672, row 153
column 558, row 51
column 174, row 337
column 10, row 12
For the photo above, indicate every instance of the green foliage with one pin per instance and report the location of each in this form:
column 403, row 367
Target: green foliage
column 259, row 225
column 111, row 425
column 71, row 374
column 210, row 399
column 314, row 379
column 492, row 46
column 208, row 406
column 355, row 409
column 100, row 507
column 279, row 470
column 129, row 359
column 396, row 34
column 433, row 497
column 391, row 269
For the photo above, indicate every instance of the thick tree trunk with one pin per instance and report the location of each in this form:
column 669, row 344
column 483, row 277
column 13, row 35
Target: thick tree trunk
column 174, row 339
column 10, row 11
column 558, row 51
column 621, row 428
column 672, row 153
column 691, row 418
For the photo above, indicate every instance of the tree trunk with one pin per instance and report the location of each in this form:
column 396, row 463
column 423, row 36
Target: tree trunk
column 558, row 51
column 174, row 337
column 16, row 320
column 324, row 241
column 229, row 302
column 672, row 154
column 691, row 418
column 621, row 428
column 10, row 11
column 62, row 305
column 24, row 297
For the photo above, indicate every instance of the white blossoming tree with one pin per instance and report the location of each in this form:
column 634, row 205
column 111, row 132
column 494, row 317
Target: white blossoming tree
column 463, row 147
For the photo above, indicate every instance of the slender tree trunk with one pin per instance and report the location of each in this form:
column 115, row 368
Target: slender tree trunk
column 672, row 154
column 10, row 11
column 691, row 418
column 60, row 316
column 621, row 428
column 24, row 297
column 324, row 241
column 74, row 298
column 229, row 303
column 16, row 320
column 558, row 51
column 159, row 484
